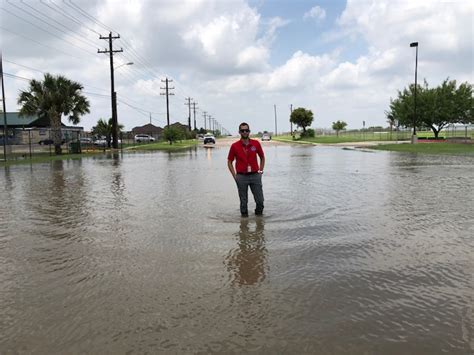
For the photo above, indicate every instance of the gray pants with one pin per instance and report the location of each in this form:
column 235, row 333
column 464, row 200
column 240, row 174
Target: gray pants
column 255, row 183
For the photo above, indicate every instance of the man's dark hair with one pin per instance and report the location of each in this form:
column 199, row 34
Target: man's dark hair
column 244, row 124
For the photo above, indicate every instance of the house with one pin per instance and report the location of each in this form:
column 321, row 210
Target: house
column 150, row 129
column 154, row 131
column 181, row 126
column 23, row 129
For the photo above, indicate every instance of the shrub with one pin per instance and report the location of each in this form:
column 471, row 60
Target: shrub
column 172, row 134
column 308, row 134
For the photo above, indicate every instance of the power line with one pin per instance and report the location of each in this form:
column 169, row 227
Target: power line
column 145, row 66
column 88, row 93
column 42, row 29
column 43, row 21
column 63, row 12
column 40, row 71
column 16, row 76
column 85, row 14
column 42, row 44
column 87, row 42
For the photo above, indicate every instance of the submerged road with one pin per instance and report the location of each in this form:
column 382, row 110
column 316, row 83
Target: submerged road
column 357, row 253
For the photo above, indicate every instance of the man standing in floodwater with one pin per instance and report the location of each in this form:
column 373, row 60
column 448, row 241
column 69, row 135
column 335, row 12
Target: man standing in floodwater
column 247, row 172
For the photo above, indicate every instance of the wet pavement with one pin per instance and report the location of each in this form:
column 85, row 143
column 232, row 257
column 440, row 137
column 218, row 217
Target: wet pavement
column 357, row 253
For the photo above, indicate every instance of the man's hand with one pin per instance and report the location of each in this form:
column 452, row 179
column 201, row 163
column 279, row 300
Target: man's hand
column 231, row 168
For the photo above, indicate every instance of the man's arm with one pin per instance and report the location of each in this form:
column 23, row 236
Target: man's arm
column 230, row 165
column 262, row 163
column 261, row 156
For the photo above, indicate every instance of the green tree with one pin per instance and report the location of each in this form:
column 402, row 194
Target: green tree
column 173, row 134
column 104, row 128
column 302, row 117
column 52, row 98
column 463, row 103
column 436, row 107
column 338, row 126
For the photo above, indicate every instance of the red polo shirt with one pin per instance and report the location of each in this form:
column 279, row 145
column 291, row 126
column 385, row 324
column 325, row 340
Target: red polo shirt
column 246, row 155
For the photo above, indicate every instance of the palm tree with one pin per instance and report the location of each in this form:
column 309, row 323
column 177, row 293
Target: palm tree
column 104, row 128
column 54, row 97
column 391, row 121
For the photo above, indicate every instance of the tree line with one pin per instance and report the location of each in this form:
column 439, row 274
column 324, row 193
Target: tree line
column 436, row 108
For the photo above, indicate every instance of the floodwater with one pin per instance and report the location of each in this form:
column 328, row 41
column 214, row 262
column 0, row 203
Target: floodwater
column 357, row 253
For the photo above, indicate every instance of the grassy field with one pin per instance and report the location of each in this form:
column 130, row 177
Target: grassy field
column 165, row 145
column 350, row 137
column 430, row 148
column 327, row 139
column 421, row 147
column 41, row 157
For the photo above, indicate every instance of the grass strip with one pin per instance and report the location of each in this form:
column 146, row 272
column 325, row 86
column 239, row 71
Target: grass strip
column 165, row 145
column 429, row 148
column 43, row 158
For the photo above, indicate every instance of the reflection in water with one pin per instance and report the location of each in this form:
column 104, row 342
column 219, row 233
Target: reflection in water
column 247, row 263
column 209, row 153
column 118, row 185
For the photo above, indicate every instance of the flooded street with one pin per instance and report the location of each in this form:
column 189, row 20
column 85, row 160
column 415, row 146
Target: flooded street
column 357, row 253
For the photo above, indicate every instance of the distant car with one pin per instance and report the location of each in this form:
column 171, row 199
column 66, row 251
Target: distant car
column 266, row 137
column 209, row 139
column 49, row 142
column 200, row 137
column 100, row 142
column 85, row 140
column 139, row 138
column 103, row 142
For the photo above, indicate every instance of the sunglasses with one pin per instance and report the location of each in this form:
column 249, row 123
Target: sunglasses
column 245, row 130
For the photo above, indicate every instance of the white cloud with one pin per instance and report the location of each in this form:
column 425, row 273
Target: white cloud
column 316, row 13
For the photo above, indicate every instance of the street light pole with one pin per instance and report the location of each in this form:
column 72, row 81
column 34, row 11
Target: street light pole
column 115, row 133
column 291, row 123
column 276, row 129
column 414, row 138
column 5, row 124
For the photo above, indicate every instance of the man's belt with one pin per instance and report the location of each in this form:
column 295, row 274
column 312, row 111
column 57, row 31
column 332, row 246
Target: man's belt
column 252, row 173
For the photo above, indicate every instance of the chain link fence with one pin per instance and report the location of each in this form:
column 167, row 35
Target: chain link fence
column 448, row 133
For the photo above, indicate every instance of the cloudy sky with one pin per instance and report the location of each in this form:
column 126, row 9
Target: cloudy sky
column 236, row 58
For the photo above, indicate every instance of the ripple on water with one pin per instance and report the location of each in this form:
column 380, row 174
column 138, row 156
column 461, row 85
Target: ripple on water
column 356, row 253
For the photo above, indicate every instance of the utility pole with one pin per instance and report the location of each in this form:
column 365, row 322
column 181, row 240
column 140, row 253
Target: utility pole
column 188, row 99
column 204, row 113
column 111, row 52
column 291, row 123
column 167, row 93
column 414, row 138
column 151, row 128
column 194, row 110
column 5, row 130
column 276, row 131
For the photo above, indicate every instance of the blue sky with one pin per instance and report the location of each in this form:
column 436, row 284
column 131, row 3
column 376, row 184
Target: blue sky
column 238, row 58
column 306, row 34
